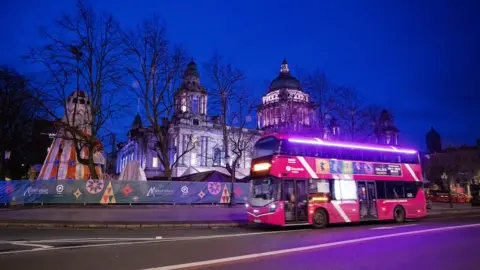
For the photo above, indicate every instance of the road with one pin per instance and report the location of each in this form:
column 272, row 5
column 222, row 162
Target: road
column 446, row 242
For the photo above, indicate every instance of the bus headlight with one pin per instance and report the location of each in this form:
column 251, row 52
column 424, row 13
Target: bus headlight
column 246, row 205
column 261, row 166
column 273, row 207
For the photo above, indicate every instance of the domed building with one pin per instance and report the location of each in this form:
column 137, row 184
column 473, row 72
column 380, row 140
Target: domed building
column 285, row 107
column 196, row 145
column 191, row 98
column 434, row 141
column 386, row 130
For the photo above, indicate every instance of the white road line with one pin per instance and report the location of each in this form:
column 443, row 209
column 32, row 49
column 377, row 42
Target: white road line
column 27, row 244
column 392, row 227
column 307, row 248
column 88, row 240
column 174, row 239
column 442, row 218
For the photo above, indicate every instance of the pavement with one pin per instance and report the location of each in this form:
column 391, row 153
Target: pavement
column 437, row 242
column 149, row 216
column 125, row 216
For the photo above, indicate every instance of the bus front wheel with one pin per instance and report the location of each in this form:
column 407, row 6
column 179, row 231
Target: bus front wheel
column 399, row 214
column 320, row 219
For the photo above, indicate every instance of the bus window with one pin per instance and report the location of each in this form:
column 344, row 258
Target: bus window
column 343, row 189
column 357, row 154
column 410, row 189
column 312, row 151
column 390, row 157
column 381, row 190
column 395, row 190
column 266, row 147
column 371, row 156
column 347, row 154
column 265, row 191
column 319, row 186
column 409, row 158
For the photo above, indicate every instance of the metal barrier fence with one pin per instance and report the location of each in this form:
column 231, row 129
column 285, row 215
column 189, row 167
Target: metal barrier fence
column 120, row 192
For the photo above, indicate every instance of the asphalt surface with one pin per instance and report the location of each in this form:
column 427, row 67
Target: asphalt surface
column 440, row 242
column 126, row 214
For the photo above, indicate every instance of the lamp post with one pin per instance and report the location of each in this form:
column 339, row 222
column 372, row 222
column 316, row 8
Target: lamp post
column 445, row 177
column 7, row 158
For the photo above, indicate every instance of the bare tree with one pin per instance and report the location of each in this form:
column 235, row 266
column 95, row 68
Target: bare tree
column 224, row 79
column 291, row 116
column 323, row 94
column 372, row 116
column 82, row 52
column 236, row 108
column 352, row 114
column 241, row 139
column 155, row 67
column 18, row 108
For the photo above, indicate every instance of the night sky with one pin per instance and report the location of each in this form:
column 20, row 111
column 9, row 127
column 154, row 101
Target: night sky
column 419, row 59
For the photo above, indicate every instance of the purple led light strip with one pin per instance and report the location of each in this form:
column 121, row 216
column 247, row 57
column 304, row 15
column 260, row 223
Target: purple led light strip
column 354, row 146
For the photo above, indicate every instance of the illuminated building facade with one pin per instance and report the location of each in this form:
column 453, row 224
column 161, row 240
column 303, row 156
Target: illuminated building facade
column 197, row 139
column 285, row 107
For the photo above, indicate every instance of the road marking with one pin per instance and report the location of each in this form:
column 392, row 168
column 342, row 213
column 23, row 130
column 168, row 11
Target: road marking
column 87, row 240
column 151, row 240
column 393, row 227
column 28, row 244
column 441, row 218
column 306, row 248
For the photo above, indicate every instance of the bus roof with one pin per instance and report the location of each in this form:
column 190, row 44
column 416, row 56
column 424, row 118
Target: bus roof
column 340, row 144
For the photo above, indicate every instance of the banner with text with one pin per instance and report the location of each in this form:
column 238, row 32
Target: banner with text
column 120, row 192
column 334, row 166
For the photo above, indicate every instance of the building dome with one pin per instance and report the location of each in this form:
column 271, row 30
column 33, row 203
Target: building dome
column 79, row 93
column 191, row 70
column 285, row 80
column 137, row 122
column 78, row 96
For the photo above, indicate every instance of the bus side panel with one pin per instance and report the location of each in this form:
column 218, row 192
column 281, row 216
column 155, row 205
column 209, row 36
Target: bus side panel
column 414, row 208
column 341, row 212
column 417, row 207
column 385, row 208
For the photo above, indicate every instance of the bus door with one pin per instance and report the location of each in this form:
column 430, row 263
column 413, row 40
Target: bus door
column 295, row 195
column 367, row 199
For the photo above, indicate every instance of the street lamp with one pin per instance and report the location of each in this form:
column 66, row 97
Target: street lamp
column 444, row 177
column 7, row 157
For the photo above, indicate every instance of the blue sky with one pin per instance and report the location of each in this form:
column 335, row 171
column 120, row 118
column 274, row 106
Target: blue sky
column 419, row 59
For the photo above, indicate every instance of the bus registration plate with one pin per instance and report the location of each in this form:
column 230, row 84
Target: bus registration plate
column 257, row 221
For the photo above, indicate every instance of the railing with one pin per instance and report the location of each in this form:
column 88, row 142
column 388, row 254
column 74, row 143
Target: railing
column 120, row 192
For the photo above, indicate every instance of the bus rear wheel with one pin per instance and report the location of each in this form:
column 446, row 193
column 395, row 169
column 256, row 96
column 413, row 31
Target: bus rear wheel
column 399, row 214
column 320, row 219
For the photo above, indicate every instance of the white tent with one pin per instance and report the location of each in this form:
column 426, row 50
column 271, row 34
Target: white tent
column 133, row 171
column 239, row 173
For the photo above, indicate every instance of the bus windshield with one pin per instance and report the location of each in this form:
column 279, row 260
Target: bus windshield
column 265, row 191
column 266, row 147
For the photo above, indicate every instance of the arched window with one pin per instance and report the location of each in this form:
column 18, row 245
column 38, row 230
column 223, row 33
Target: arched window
column 184, row 104
column 217, row 156
column 203, row 104
column 195, row 105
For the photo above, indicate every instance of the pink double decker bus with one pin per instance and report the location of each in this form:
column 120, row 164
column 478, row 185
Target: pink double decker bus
column 301, row 181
